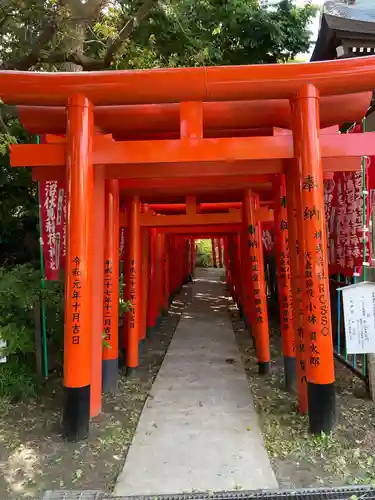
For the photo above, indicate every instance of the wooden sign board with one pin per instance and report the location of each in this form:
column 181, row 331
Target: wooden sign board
column 359, row 317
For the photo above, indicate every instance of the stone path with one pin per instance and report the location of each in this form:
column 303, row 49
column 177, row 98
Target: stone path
column 199, row 430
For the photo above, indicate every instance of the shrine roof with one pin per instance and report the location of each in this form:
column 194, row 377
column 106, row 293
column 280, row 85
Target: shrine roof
column 206, row 84
column 361, row 11
column 341, row 21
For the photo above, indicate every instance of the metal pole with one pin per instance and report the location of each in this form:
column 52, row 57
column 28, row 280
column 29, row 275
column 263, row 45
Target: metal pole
column 43, row 285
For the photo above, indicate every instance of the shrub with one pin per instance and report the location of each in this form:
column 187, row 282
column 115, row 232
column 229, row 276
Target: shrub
column 20, row 288
column 17, row 381
column 204, row 254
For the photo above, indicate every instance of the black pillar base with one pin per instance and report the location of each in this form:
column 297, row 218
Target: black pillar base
column 246, row 321
column 290, row 373
column 263, row 367
column 141, row 347
column 240, row 310
column 130, row 371
column 322, row 407
column 76, row 413
column 109, row 375
column 123, row 359
column 150, row 331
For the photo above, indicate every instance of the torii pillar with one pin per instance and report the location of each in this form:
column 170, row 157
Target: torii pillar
column 320, row 366
column 111, row 286
column 296, row 254
column 284, row 281
column 255, row 272
column 213, row 246
column 134, row 275
column 220, row 252
column 152, row 305
column 78, row 292
column 192, row 258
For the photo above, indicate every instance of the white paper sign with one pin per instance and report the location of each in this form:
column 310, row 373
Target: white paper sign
column 3, row 344
column 359, row 317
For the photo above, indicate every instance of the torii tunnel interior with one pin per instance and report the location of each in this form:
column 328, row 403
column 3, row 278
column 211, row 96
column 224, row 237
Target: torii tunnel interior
column 174, row 155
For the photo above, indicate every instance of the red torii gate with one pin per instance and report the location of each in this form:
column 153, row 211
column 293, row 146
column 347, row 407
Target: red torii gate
column 217, row 132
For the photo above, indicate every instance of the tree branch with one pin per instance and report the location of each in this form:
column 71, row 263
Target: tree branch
column 3, row 127
column 142, row 13
column 49, row 29
column 92, row 64
column 87, row 63
column 4, row 20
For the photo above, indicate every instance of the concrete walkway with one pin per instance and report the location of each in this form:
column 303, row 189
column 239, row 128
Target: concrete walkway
column 198, row 430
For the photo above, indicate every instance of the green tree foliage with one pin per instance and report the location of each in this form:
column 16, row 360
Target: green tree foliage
column 101, row 34
column 18, row 201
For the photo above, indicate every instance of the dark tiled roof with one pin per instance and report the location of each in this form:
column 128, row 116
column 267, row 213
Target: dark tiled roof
column 360, row 11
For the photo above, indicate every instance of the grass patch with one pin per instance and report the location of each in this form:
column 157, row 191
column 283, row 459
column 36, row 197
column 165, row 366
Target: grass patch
column 346, row 457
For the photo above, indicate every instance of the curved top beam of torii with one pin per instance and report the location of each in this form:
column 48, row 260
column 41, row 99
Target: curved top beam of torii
column 163, row 120
column 236, row 83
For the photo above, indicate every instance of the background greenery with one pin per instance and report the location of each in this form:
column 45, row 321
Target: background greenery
column 204, row 254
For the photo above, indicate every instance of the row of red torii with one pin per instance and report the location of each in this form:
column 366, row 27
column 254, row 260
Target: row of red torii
column 180, row 154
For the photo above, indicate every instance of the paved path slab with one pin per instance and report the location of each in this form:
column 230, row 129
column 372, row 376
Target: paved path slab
column 199, row 430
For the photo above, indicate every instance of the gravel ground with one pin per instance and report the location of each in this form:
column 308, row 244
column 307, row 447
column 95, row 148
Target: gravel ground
column 35, row 458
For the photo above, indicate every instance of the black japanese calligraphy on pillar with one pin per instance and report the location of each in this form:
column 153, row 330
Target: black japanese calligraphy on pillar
column 132, row 294
column 108, row 300
column 76, row 301
column 255, row 273
column 317, row 311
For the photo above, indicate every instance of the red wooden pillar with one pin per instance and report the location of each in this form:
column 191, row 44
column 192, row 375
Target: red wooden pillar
column 238, row 264
column 258, row 291
column 192, row 258
column 125, row 292
column 220, row 252
column 231, row 266
column 245, row 273
column 152, row 310
column 178, row 263
column 160, row 269
column 145, row 280
column 111, row 286
column 186, row 260
column 320, row 368
column 213, row 246
column 78, row 290
column 97, row 279
column 133, row 287
column 166, row 290
column 296, row 252
column 284, row 282
column 226, row 262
